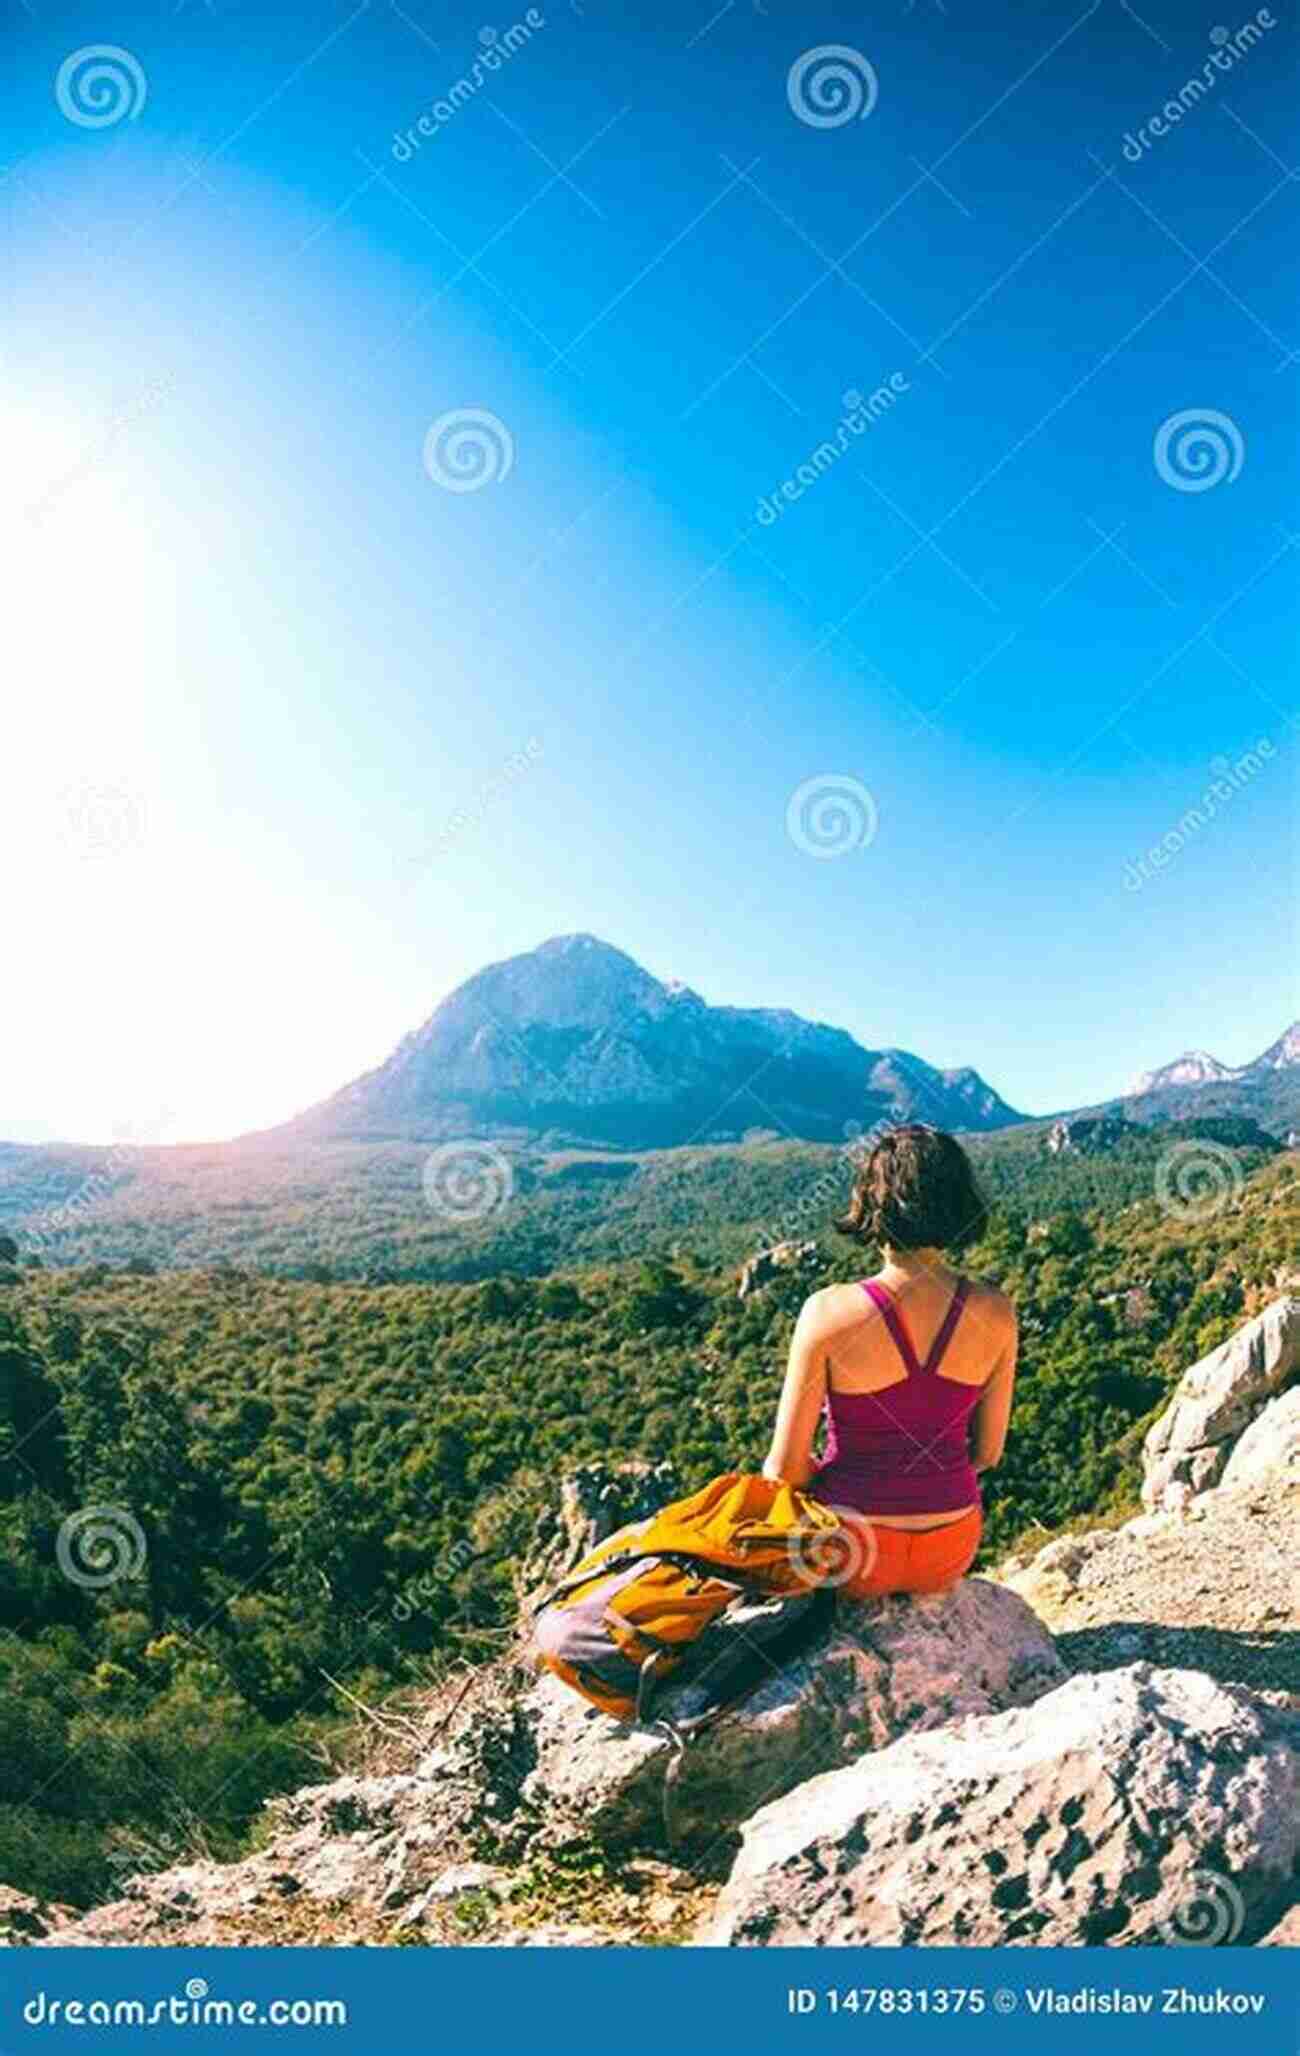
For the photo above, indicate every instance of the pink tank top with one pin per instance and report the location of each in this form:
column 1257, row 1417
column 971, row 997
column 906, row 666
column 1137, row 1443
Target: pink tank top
column 904, row 1450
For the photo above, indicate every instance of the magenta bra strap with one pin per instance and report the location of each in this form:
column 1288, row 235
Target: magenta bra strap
column 881, row 1297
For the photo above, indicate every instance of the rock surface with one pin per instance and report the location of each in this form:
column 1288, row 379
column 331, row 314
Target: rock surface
column 1143, row 1807
column 1269, row 1446
column 1214, row 1589
column 25, row 1919
column 527, row 1775
column 888, row 1667
column 1286, row 1935
column 1188, row 1448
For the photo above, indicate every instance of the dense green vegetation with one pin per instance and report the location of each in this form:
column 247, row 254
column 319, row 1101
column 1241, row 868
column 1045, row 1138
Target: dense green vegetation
column 356, row 1210
column 330, row 1482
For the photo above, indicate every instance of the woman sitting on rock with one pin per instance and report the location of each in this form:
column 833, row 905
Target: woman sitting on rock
column 914, row 1369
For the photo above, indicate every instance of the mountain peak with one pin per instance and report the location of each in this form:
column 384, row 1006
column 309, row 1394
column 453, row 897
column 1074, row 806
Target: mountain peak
column 1193, row 1067
column 575, row 1040
column 1280, row 1055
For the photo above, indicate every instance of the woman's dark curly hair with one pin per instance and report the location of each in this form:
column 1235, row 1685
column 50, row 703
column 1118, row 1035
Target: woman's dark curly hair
column 916, row 1190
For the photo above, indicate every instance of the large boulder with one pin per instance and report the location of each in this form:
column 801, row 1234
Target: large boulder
column 1137, row 1806
column 888, row 1667
column 1270, row 1445
column 1188, row 1448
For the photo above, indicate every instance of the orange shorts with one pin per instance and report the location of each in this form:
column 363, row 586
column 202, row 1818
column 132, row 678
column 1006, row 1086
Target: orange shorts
column 909, row 1559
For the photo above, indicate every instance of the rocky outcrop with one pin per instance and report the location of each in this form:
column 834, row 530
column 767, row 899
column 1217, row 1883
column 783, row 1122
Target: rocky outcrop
column 25, row 1919
column 888, row 1667
column 1088, row 1134
column 1286, row 1935
column 530, row 1773
column 1188, row 1449
column 1269, row 1446
column 760, row 1270
column 1145, row 1806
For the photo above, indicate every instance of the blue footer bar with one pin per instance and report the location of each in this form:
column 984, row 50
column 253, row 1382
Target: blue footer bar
column 663, row 2001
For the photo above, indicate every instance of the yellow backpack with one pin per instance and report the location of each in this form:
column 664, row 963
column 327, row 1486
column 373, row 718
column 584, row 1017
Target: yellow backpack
column 625, row 1618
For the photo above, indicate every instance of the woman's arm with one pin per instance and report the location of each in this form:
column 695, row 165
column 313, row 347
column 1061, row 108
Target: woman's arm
column 790, row 1457
column 993, row 1413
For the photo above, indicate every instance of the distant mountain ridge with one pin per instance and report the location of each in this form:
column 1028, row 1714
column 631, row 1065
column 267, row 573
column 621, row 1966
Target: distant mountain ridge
column 576, row 1042
column 1267, row 1089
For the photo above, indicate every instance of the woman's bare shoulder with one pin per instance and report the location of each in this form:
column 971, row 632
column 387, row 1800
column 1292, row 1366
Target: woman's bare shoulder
column 992, row 1304
column 833, row 1308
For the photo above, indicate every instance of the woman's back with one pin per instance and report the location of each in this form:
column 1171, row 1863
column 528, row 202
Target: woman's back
column 906, row 1366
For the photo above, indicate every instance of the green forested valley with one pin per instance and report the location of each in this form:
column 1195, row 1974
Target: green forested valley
column 318, row 1488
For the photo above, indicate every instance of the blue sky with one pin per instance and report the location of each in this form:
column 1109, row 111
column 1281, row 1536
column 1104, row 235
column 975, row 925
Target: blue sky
column 302, row 736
